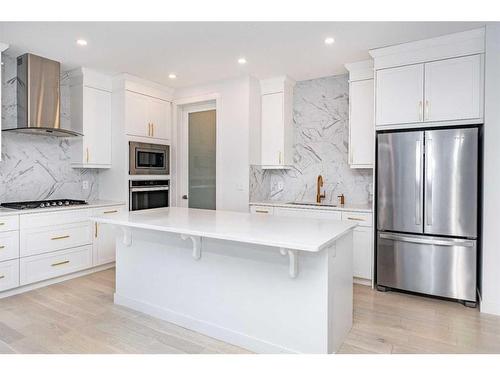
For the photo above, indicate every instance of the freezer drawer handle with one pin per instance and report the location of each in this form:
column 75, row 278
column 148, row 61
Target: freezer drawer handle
column 464, row 243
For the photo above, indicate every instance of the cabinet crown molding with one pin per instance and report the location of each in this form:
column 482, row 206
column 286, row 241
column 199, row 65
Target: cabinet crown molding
column 91, row 78
column 276, row 84
column 130, row 82
column 360, row 70
column 443, row 47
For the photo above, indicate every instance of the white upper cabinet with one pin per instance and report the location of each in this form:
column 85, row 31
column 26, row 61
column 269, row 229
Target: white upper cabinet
column 432, row 82
column 147, row 116
column 91, row 116
column 160, row 113
column 453, row 89
column 361, row 113
column 277, row 123
column 400, row 95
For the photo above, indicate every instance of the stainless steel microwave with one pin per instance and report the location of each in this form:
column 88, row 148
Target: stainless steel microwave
column 149, row 159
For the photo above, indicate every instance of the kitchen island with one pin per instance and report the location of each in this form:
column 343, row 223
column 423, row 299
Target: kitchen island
column 268, row 284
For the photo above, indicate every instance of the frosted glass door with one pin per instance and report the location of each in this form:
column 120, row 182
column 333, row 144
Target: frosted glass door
column 201, row 168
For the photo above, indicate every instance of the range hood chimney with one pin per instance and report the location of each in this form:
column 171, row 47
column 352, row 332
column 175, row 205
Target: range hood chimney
column 39, row 97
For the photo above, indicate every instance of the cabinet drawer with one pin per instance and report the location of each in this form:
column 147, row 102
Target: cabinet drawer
column 43, row 240
column 9, row 223
column 307, row 213
column 363, row 219
column 108, row 211
column 47, row 266
column 262, row 210
column 53, row 218
column 9, row 245
column 9, row 274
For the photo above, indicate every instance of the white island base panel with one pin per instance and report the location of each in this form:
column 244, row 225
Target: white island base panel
column 239, row 293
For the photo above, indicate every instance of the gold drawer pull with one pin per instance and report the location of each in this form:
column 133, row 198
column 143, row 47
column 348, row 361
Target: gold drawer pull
column 59, row 238
column 2, row 246
column 2, row 223
column 262, row 211
column 356, row 218
column 60, row 263
column 2, row 276
column 110, row 212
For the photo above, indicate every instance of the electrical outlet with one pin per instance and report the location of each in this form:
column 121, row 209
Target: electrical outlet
column 85, row 185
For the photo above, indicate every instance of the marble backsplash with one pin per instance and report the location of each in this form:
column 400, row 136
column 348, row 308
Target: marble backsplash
column 320, row 117
column 37, row 167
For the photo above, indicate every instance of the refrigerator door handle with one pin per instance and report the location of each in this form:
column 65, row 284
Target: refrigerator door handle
column 429, row 170
column 418, row 182
column 428, row 241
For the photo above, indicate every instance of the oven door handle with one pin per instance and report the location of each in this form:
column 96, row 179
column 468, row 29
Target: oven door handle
column 140, row 189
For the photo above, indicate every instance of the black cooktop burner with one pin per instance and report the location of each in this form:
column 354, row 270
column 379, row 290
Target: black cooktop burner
column 43, row 204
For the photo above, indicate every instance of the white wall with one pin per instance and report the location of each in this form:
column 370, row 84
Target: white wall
column 233, row 137
column 491, row 181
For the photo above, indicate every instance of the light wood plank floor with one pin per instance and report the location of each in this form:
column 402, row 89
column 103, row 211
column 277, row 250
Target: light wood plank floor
column 78, row 316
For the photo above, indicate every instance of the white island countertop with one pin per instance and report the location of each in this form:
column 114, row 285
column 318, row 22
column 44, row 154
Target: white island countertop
column 311, row 235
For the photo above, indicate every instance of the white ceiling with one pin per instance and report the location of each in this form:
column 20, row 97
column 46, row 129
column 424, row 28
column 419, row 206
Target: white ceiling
column 200, row 52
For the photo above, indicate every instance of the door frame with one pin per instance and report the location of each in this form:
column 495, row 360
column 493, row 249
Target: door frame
column 180, row 149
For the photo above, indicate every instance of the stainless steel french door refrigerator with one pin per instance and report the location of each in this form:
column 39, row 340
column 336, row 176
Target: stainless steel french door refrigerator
column 427, row 212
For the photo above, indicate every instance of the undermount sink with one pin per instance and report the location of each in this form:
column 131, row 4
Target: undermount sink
column 313, row 204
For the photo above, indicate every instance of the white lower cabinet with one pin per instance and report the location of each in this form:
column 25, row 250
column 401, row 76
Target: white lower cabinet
column 9, row 274
column 362, row 252
column 104, row 237
column 46, row 239
column 46, row 266
column 362, row 236
column 9, row 245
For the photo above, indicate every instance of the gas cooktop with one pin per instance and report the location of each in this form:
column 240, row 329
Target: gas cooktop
column 43, row 204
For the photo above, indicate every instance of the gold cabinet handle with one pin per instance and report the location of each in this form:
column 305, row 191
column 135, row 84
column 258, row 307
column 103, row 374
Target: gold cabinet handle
column 2, row 276
column 149, row 129
column 152, row 129
column 110, row 212
column 2, row 247
column 95, row 232
column 356, row 218
column 59, row 237
column 87, row 154
column 59, row 263
column 2, row 223
column 262, row 211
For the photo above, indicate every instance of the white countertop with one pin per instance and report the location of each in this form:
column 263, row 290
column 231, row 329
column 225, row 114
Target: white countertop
column 91, row 204
column 314, row 206
column 291, row 233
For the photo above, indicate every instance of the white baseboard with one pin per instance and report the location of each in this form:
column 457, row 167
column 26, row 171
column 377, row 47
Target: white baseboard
column 236, row 338
column 55, row 280
column 489, row 308
column 358, row 280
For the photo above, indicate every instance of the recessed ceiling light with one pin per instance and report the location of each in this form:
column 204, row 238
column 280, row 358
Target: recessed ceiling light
column 329, row 40
column 242, row 60
column 172, row 76
column 81, row 42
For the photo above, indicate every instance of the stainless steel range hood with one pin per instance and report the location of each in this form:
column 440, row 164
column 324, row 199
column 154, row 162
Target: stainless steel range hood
column 39, row 97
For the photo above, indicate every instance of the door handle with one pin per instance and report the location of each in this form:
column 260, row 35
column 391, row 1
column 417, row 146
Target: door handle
column 184, row 196
column 428, row 181
column 425, row 241
column 418, row 182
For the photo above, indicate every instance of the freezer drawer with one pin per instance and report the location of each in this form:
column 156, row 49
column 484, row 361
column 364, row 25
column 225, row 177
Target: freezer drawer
column 431, row 265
